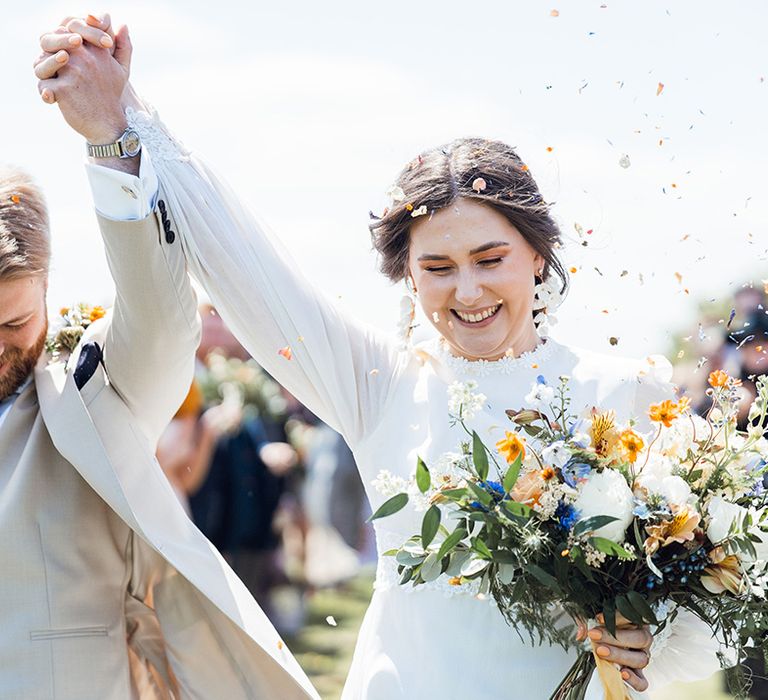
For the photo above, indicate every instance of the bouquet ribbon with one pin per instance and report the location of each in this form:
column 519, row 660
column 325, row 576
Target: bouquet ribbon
column 613, row 684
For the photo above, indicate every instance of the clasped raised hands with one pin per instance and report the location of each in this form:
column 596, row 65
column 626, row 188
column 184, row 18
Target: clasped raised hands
column 84, row 67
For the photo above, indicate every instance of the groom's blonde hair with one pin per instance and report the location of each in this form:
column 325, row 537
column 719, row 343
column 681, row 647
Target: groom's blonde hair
column 25, row 246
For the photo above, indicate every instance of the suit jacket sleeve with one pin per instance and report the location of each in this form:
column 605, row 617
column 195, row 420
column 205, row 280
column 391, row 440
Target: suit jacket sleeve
column 154, row 330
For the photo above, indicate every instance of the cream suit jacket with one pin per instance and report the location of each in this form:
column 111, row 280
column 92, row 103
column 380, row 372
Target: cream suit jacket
column 217, row 641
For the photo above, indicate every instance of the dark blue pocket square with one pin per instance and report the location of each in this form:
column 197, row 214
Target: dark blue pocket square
column 87, row 363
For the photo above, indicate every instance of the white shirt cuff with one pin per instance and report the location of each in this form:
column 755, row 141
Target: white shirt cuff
column 121, row 196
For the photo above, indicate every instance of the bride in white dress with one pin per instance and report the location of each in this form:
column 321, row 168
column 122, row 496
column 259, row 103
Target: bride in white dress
column 470, row 233
column 472, row 236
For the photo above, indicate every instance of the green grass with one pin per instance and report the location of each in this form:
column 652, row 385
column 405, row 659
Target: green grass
column 325, row 651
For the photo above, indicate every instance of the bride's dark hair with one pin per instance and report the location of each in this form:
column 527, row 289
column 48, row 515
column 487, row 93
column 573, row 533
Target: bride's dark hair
column 486, row 171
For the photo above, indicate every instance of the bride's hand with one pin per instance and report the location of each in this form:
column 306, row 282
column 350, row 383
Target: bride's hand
column 629, row 648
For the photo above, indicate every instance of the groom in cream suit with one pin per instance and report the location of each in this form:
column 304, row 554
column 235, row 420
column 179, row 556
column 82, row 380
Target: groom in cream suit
column 107, row 590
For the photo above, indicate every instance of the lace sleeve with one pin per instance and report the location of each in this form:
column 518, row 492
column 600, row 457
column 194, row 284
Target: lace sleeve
column 341, row 370
column 684, row 651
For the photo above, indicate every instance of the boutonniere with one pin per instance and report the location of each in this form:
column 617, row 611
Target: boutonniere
column 68, row 327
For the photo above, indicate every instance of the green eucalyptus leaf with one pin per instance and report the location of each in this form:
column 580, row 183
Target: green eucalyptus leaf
column 390, row 507
column 423, row 479
column 591, row 524
column 506, row 574
column 609, row 615
column 482, row 549
column 474, row 566
column 625, row 608
column 407, row 559
column 510, row 478
column 457, row 560
column 479, row 456
column 430, row 525
column 547, row 579
column 451, row 541
column 431, row 568
column 642, row 606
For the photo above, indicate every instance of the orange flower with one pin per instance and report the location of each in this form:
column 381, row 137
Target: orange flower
column 97, row 312
column 680, row 529
column 632, row 444
column 63, row 311
column 511, row 447
column 724, row 575
column 668, row 411
column 718, row 379
column 528, row 489
column 547, row 473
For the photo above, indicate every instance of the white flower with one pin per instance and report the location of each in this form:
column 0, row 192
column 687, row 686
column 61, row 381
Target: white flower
column 540, row 396
column 556, row 455
column 607, row 493
column 388, row 485
column 722, row 514
column 674, row 489
column 547, row 296
column 464, row 401
column 396, row 194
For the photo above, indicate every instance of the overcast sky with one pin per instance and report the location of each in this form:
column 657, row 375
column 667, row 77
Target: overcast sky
column 310, row 109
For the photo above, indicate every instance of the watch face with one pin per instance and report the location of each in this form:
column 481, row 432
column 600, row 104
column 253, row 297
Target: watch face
column 131, row 143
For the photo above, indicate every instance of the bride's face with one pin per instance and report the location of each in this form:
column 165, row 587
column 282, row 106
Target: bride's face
column 474, row 275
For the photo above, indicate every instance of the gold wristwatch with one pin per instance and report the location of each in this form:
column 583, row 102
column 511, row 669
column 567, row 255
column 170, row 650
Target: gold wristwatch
column 127, row 146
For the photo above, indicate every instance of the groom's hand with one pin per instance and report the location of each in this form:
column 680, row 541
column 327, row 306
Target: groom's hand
column 85, row 69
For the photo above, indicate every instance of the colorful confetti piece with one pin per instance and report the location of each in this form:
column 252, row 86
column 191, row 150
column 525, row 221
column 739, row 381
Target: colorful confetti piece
column 286, row 352
column 554, row 13
column 479, row 184
column 624, row 161
column 659, row 89
column 15, row 198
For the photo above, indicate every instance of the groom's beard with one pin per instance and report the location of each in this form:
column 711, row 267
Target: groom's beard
column 18, row 365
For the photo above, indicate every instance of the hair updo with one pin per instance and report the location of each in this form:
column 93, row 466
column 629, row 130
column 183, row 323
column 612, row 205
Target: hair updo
column 489, row 172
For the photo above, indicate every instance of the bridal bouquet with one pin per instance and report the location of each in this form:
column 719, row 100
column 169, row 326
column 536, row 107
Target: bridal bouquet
column 586, row 516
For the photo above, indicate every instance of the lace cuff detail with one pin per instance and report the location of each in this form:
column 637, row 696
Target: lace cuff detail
column 155, row 136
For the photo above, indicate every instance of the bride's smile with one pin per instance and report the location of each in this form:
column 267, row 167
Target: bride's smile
column 475, row 275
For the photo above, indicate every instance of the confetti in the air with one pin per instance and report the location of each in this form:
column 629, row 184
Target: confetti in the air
column 550, row 149
column 15, row 198
column 554, row 13
column 286, row 352
column 730, row 318
column 574, row 270
column 624, row 161
column 679, row 278
column 409, row 206
column 331, row 620
column 421, row 211
column 659, row 89
column 613, row 340
column 373, row 372
column 279, row 644
column 680, row 354
column 478, row 185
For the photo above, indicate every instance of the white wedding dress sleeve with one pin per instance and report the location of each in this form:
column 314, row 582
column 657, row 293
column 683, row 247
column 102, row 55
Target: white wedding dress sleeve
column 339, row 369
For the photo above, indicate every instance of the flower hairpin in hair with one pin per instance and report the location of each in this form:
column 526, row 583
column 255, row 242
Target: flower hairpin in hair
column 546, row 299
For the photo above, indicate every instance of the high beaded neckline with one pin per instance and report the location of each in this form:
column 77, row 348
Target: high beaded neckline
column 504, row 365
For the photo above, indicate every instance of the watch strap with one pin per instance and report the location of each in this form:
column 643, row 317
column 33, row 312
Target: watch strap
column 109, row 150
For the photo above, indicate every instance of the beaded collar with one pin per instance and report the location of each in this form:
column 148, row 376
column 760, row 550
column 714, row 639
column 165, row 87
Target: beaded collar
column 504, row 365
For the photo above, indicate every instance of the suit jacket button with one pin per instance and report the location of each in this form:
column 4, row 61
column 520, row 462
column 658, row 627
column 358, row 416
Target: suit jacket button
column 166, row 224
column 161, row 206
column 170, row 236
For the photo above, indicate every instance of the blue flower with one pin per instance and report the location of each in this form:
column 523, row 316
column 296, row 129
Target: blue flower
column 641, row 510
column 566, row 515
column 495, row 489
column 574, row 471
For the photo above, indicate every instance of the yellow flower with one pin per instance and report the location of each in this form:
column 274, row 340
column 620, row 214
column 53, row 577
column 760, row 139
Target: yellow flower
column 96, row 313
column 511, row 447
column 603, row 432
column 664, row 412
column 718, row 379
column 547, row 473
column 632, row 444
column 680, row 529
column 724, row 574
